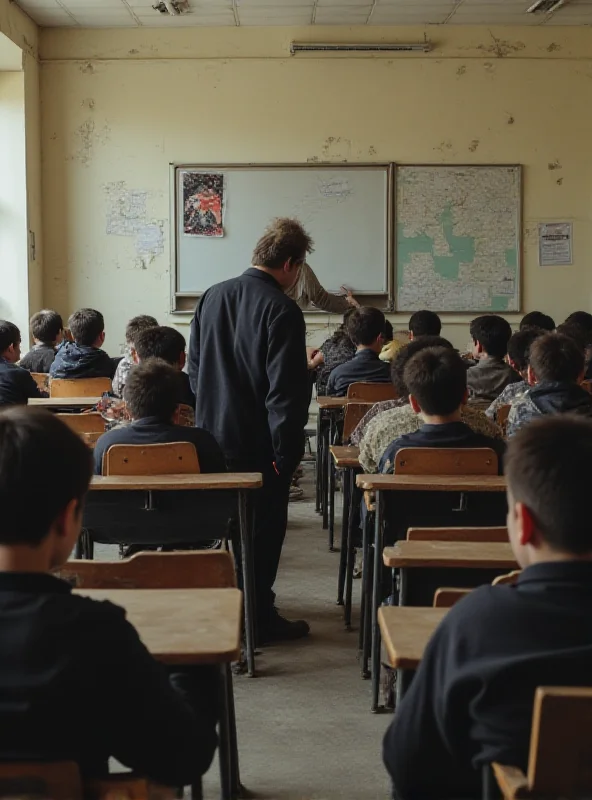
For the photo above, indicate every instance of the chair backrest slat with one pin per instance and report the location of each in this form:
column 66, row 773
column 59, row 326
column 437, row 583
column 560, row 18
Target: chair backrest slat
column 446, row 598
column 176, row 458
column 371, row 392
column 79, row 387
column 353, row 414
column 446, row 461
column 84, row 423
column 457, row 534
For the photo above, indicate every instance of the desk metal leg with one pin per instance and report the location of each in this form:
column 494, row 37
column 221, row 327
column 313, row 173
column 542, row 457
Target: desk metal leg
column 404, row 677
column 376, row 593
column 364, row 594
column 325, row 476
column 224, row 746
column 237, row 789
column 344, row 535
column 248, row 580
column 331, row 480
column 349, row 543
column 319, row 461
column 403, row 577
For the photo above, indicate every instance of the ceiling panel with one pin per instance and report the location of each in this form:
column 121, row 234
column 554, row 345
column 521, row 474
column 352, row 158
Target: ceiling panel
column 105, row 13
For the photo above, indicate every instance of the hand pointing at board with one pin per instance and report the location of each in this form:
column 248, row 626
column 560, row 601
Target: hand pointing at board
column 308, row 291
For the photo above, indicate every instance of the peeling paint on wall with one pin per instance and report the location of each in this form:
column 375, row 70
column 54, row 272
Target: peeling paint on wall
column 127, row 215
column 88, row 136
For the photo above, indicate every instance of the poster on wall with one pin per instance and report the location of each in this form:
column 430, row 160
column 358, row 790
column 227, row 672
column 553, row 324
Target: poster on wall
column 204, row 201
column 555, row 242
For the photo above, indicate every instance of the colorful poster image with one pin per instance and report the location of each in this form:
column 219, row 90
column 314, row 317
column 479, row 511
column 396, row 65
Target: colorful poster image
column 203, row 204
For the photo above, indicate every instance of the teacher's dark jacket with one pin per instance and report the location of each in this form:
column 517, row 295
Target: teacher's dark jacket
column 248, row 369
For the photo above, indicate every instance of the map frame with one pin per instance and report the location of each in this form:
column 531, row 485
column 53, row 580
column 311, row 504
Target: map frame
column 516, row 297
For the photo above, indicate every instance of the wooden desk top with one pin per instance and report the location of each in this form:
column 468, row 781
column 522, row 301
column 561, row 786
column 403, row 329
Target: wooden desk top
column 210, row 480
column 331, row 402
column 486, row 555
column 406, row 632
column 345, row 456
column 64, row 402
column 433, row 483
column 182, row 626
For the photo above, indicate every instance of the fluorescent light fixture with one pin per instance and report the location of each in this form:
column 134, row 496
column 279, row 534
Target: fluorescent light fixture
column 321, row 47
column 545, row 6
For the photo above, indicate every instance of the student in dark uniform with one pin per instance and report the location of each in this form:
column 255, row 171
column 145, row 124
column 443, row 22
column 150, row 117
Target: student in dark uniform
column 248, row 368
column 366, row 327
column 16, row 383
column 151, row 395
column 167, row 343
column 84, row 357
column 47, row 330
column 470, row 702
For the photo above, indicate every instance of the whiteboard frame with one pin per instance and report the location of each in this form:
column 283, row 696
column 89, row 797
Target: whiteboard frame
column 180, row 302
column 519, row 242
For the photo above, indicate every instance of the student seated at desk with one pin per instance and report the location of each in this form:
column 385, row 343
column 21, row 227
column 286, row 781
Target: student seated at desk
column 518, row 358
column 490, row 375
column 556, row 368
column 169, row 345
column 47, row 330
column 16, row 383
column 536, row 319
column 436, row 378
column 335, row 350
column 424, row 323
column 470, row 702
column 134, row 327
column 151, row 396
column 76, row 682
column 83, row 358
column 366, row 328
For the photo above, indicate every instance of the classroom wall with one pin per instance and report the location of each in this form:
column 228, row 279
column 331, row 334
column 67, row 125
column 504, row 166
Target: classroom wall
column 118, row 106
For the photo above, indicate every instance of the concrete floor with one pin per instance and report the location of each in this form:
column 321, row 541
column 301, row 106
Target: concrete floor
column 305, row 731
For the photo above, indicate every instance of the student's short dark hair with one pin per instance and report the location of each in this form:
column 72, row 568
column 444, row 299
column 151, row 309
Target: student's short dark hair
column 46, row 326
column 536, row 319
column 548, row 465
column 86, row 325
column 425, row 323
column 152, row 389
column 437, row 378
column 493, row 333
column 9, row 334
column 283, row 239
column 43, row 466
column 581, row 318
column 365, row 325
column 520, row 344
column 581, row 336
column 160, row 342
column 138, row 324
column 400, row 360
column 556, row 357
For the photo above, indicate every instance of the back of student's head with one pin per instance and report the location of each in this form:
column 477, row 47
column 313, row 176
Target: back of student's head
column 138, row 324
column 43, row 467
column 493, row 333
column 284, row 239
column 581, row 336
column 408, row 351
column 520, row 344
column 437, row 378
column 556, row 357
column 46, row 326
column 341, row 334
column 365, row 325
column 86, row 326
column 425, row 323
column 152, row 389
column 536, row 319
column 548, row 465
column 581, row 318
column 9, row 334
column 161, row 342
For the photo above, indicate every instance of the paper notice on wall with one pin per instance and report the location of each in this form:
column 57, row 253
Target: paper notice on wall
column 337, row 188
column 555, row 244
column 126, row 210
column 204, row 204
column 150, row 240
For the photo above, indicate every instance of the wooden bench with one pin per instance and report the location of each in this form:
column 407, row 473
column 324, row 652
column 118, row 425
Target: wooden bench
column 79, row 387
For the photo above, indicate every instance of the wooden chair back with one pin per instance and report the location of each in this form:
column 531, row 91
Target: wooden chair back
column 41, row 379
column 79, row 387
column 206, row 569
column 446, row 598
column 176, row 458
column 84, row 423
column 509, row 578
column 371, row 392
column 353, row 414
column 560, row 757
column 55, row 780
column 446, row 461
column 501, row 417
column 457, row 534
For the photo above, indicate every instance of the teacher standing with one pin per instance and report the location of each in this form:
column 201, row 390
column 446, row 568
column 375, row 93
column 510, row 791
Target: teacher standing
column 248, row 369
column 307, row 290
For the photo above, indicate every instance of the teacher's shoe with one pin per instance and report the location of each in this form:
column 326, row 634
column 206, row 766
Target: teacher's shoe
column 279, row 629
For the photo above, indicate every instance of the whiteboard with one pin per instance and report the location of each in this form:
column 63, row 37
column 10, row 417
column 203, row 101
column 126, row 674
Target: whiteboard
column 345, row 208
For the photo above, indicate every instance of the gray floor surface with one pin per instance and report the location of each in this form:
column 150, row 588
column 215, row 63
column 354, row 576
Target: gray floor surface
column 305, row 730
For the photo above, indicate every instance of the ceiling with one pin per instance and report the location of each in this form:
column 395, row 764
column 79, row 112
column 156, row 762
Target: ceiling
column 138, row 13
